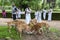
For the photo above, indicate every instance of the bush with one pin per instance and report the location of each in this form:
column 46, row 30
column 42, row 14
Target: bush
column 55, row 16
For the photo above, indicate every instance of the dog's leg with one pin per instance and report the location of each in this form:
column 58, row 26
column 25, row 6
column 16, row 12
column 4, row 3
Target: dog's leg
column 9, row 27
column 40, row 31
column 47, row 28
column 20, row 35
column 19, row 30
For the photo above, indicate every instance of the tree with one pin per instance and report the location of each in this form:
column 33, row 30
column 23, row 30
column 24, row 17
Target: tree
column 51, row 3
column 34, row 4
column 5, row 2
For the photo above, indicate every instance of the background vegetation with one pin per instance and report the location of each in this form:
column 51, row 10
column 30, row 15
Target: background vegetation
column 55, row 16
column 34, row 5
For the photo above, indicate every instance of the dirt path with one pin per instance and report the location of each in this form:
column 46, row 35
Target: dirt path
column 52, row 23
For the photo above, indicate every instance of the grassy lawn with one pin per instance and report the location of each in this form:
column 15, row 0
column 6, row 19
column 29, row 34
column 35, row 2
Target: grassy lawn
column 56, row 31
column 5, row 34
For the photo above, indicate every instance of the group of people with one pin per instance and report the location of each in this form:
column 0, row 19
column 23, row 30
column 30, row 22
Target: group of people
column 16, row 13
column 38, row 14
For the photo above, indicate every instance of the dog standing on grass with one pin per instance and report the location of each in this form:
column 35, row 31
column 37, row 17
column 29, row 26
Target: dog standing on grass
column 10, row 25
column 38, row 27
column 33, row 27
column 20, row 26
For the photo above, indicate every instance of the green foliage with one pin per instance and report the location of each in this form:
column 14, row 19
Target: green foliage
column 5, row 2
column 55, row 15
column 52, row 29
column 34, row 4
column 5, row 34
column 58, row 4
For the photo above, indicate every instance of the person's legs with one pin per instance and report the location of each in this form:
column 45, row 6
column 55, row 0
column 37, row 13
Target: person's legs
column 19, row 15
column 50, row 17
column 36, row 17
column 14, row 16
column 39, row 18
column 28, row 18
column 4, row 15
column 44, row 16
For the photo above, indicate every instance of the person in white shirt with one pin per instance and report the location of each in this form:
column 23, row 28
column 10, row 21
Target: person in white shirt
column 50, row 14
column 38, row 16
column 18, row 15
column 27, row 15
column 44, row 13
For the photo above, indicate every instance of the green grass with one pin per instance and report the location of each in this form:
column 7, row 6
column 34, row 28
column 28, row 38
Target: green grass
column 5, row 34
column 56, row 31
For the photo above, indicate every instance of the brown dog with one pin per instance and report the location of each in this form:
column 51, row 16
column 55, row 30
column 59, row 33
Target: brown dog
column 38, row 27
column 32, row 22
column 21, row 26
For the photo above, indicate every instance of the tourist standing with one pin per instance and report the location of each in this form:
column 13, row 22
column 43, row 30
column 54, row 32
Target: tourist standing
column 13, row 9
column 27, row 15
column 38, row 14
column 14, row 14
column 18, row 15
column 44, row 13
column 50, row 14
column 4, row 13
